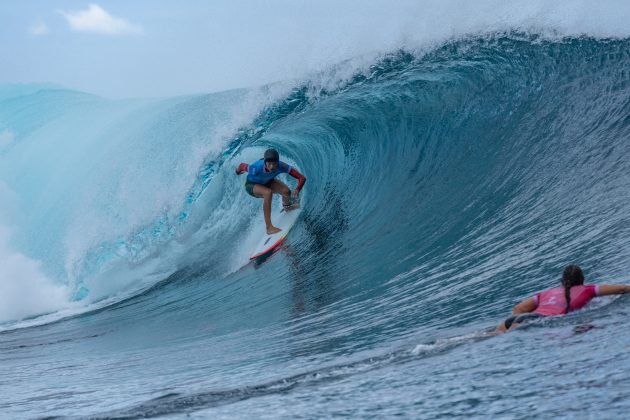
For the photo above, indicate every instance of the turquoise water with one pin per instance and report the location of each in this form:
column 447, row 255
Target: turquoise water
column 442, row 188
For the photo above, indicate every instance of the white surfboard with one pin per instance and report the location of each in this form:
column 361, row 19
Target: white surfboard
column 268, row 244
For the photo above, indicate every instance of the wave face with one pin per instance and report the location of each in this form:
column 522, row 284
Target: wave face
column 442, row 188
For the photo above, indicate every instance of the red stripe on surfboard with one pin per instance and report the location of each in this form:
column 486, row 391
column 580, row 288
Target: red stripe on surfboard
column 271, row 248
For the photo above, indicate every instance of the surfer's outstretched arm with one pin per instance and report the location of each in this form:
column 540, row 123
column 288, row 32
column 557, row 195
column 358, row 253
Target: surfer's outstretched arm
column 242, row 168
column 301, row 180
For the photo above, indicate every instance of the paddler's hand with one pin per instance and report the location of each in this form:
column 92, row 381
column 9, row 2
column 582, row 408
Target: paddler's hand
column 296, row 195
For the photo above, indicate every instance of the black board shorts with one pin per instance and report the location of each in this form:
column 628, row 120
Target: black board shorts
column 249, row 186
column 520, row 318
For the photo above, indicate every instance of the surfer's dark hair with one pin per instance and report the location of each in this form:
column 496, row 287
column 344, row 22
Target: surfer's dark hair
column 271, row 155
column 572, row 276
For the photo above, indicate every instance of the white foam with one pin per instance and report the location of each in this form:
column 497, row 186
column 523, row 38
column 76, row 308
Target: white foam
column 444, row 343
column 25, row 290
column 295, row 40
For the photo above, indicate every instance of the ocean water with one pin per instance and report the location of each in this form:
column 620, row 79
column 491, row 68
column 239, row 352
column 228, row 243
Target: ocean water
column 444, row 186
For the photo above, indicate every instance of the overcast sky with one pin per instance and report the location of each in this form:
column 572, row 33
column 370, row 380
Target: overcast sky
column 157, row 47
column 131, row 48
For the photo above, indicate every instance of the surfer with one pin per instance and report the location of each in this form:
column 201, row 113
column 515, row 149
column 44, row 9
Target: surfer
column 261, row 183
column 571, row 296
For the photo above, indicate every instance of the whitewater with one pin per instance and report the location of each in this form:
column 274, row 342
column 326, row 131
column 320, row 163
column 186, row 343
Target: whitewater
column 452, row 171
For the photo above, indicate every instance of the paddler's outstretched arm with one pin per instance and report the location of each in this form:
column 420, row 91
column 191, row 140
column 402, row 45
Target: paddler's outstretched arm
column 527, row 305
column 523, row 307
column 613, row 289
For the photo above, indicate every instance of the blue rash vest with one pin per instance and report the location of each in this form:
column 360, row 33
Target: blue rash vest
column 257, row 174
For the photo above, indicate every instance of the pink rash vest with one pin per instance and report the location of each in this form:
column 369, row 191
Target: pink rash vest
column 552, row 302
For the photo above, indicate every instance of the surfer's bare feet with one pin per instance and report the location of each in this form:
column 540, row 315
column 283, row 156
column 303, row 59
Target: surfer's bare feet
column 290, row 207
column 272, row 229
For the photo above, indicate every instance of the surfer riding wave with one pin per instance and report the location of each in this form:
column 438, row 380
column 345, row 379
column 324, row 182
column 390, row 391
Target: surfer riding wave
column 261, row 183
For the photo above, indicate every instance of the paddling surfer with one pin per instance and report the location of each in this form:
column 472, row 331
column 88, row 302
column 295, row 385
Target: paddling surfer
column 572, row 295
column 261, row 183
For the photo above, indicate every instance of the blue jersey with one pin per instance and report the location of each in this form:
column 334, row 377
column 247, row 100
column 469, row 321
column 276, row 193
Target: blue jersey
column 258, row 175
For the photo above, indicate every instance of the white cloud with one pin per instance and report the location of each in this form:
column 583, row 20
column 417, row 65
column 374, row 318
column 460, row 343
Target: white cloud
column 38, row 28
column 97, row 20
column 6, row 137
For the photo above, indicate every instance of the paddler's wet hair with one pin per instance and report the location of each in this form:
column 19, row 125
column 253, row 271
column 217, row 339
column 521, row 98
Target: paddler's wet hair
column 572, row 276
